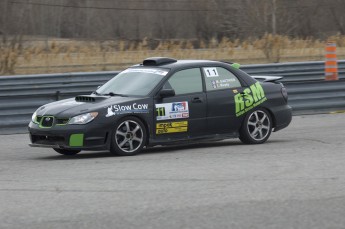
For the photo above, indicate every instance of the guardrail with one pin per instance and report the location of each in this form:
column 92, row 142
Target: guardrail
column 316, row 96
column 20, row 96
column 294, row 72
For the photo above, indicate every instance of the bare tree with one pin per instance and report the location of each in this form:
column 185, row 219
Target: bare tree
column 337, row 12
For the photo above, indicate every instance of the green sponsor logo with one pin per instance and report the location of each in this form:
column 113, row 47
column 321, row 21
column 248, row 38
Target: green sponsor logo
column 250, row 98
column 160, row 111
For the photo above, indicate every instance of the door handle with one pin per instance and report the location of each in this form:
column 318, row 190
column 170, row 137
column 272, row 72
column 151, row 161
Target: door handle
column 196, row 100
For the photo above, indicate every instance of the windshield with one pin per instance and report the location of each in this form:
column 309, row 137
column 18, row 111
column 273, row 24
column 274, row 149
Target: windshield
column 133, row 81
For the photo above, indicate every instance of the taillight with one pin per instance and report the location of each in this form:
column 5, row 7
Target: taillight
column 284, row 93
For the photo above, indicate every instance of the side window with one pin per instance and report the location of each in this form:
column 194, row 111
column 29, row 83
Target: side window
column 185, row 81
column 218, row 78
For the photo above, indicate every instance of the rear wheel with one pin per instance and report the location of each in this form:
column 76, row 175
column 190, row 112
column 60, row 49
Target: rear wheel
column 66, row 151
column 256, row 127
column 129, row 137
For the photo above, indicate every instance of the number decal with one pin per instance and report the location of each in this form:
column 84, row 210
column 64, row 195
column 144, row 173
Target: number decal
column 176, row 110
column 211, row 72
column 160, row 111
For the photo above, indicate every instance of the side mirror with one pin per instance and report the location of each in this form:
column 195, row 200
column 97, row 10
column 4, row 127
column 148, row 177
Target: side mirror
column 166, row 93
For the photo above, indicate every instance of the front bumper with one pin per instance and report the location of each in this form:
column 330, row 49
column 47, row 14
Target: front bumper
column 76, row 137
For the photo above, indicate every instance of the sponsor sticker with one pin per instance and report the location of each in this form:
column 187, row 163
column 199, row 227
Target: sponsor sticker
column 147, row 70
column 251, row 97
column 224, row 83
column 211, row 72
column 177, row 110
column 128, row 108
column 171, row 127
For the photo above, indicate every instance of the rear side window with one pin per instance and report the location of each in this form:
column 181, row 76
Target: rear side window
column 218, row 78
column 185, row 81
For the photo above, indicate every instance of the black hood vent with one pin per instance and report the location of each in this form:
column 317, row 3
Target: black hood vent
column 90, row 98
column 85, row 98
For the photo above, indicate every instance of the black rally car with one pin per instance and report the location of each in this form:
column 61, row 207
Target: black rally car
column 164, row 101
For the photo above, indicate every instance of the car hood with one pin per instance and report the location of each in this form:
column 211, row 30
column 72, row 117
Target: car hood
column 83, row 104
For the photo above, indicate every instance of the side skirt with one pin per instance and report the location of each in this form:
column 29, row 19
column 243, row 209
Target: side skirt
column 191, row 140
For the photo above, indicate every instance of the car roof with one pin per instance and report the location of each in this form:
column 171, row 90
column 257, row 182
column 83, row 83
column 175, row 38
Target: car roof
column 176, row 65
column 164, row 62
column 186, row 63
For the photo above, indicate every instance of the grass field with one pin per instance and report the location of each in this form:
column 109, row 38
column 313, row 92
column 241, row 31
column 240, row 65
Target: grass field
column 59, row 55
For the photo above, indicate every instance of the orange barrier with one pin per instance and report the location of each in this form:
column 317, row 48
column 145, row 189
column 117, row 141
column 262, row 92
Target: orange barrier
column 331, row 65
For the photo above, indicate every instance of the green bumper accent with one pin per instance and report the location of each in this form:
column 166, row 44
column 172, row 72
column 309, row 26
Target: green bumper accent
column 76, row 140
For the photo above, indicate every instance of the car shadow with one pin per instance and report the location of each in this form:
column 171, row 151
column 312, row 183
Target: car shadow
column 162, row 149
column 155, row 150
column 208, row 144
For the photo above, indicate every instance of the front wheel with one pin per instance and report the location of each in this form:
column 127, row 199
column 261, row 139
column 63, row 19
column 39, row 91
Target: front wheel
column 66, row 151
column 256, row 127
column 129, row 137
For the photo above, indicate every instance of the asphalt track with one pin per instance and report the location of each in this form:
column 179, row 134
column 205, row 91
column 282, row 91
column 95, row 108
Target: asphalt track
column 296, row 180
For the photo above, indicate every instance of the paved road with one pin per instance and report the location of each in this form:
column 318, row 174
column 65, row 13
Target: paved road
column 296, row 180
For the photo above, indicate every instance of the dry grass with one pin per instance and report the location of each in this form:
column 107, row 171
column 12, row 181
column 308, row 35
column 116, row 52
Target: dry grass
column 51, row 56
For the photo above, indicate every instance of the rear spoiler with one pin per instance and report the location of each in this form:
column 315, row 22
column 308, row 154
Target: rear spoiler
column 271, row 79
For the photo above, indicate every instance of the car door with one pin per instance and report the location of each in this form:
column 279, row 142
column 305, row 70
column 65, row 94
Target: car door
column 182, row 115
column 221, row 87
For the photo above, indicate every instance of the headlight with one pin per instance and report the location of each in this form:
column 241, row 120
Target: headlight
column 83, row 119
column 33, row 118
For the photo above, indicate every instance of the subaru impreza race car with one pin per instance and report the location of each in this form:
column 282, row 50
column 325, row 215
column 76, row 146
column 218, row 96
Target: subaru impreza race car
column 164, row 101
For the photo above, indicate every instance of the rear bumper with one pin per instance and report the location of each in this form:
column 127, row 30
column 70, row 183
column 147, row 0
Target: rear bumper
column 283, row 117
column 76, row 137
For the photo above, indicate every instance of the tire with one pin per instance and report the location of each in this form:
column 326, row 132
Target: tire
column 129, row 137
column 256, row 127
column 67, row 151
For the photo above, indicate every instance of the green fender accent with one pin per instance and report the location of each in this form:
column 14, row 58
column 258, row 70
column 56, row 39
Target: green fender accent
column 76, row 140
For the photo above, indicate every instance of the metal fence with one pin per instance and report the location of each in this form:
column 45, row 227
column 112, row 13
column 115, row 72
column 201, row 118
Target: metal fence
column 294, row 72
column 20, row 96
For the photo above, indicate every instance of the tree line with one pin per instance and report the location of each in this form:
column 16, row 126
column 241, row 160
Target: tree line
column 171, row 19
